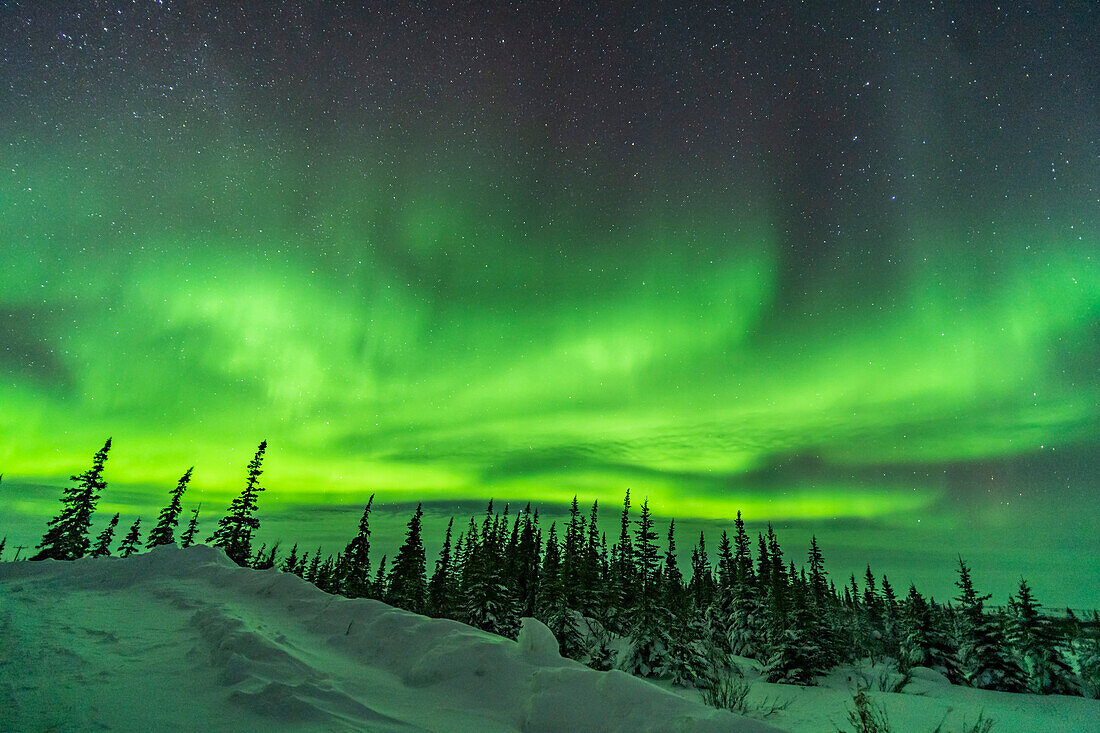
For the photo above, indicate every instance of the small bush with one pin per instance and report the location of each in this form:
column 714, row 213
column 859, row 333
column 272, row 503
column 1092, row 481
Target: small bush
column 731, row 693
column 866, row 716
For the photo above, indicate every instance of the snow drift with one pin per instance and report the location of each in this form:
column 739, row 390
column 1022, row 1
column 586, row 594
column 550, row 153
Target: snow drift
column 186, row 640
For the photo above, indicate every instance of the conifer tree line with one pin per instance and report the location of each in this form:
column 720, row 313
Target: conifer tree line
column 626, row 604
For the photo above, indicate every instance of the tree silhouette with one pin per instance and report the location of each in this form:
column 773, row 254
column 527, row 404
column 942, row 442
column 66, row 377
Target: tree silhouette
column 188, row 537
column 66, row 536
column 356, row 565
column 131, row 541
column 164, row 532
column 408, row 583
column 234, row 532
column 103, row 541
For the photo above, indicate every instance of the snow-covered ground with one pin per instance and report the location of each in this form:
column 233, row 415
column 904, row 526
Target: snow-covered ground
column 927, row 704
column 185, row 640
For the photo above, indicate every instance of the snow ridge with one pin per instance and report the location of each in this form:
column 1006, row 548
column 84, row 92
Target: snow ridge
column 185, row 639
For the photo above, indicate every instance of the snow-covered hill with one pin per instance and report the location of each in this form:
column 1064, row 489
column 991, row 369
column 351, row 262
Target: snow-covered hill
column 186, row 640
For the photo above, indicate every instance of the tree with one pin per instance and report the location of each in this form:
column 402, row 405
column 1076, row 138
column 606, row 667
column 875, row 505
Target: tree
column 234, row 532
column 1083, row 654
column 981, row 660
column 188, row 537
column 742, row 556
column 726, row 571
column 326, row 575
column 489, row 604
column 265, row 561
column 378, row 588
column 131, row 541
column 526, row 566
column 623, row 573
column 692, row 653
column 1036, row 646
column 650, row 640
column 797, row 654
column 314, row 569
column 917, row 632
column 573, row 555
column 103, row 541
column 441, row 588
column 66, row 536
column 818, row 587
column 407, row 581
column 673, row 578
column 592, row 590
column 356, row 565
column 701, row 585
column 164, row 532
column 290, row 562
column 553, row 607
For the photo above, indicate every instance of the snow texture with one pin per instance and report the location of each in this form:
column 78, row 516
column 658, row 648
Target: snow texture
column 186, row 640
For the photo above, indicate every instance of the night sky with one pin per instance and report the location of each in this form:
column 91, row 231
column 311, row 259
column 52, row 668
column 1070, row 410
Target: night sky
column 835, row 265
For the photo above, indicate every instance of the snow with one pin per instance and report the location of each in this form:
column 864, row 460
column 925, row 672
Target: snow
column 186, row 640
column 927, row 703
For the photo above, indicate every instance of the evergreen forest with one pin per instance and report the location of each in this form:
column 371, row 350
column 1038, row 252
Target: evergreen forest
column 624, row 602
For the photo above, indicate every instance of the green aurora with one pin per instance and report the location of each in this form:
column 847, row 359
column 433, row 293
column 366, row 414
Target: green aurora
column 416, row 309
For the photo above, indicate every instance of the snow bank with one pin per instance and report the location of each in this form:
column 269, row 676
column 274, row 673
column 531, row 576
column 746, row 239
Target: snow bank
column 186, row 640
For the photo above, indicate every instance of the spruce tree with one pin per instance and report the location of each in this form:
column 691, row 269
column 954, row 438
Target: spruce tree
column 818, row 586
column 526, row 571
column 164, row 532
column 103, row 541
column 356, row 566
column 593, row 591
column 891, row 633
column 623, row 576
column 742, row 555
column 188, row 537
column 441, row 587
column 701, row 585
column 1083, row 655
column 264, row 560
column 407, row 581
column 326, row 574
column 489, row 604
column 797, row 654
column 726, row 570
column 131, row 541
column 378, row 587
column 648, row 651
column 314, row 569
column 917, row 632
column 573, row 555
column 290, row 562
column 777, row 586
column 673, row 579
column 234, row 532
column 553, row 607
column 692, row 654
column 982, row 659
column 66, row 536
column 1037, row 646
column 763, row 565
column 818, row 602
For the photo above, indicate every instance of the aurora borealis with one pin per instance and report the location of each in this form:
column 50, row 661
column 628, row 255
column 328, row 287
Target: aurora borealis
column 835, row 268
